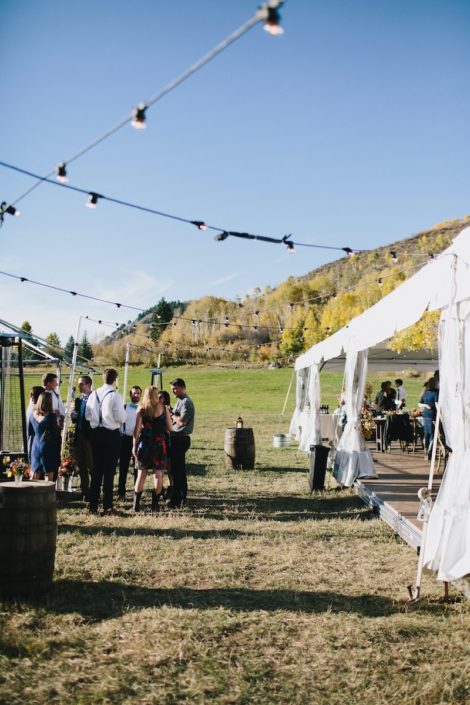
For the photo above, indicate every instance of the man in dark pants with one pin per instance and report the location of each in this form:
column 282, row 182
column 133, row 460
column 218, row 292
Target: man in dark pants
column 82, row 437
column 127, row 439
column 105, row 412
column 180, row 441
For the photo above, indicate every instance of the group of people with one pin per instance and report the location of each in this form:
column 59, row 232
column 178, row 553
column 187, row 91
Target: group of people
column 109, row 433
column 389, row 398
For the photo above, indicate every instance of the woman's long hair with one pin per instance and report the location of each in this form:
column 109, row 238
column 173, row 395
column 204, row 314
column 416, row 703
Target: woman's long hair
column 149, row 403
column 43, row 406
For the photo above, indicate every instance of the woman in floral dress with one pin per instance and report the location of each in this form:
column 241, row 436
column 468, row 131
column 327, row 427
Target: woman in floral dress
column 150, row 450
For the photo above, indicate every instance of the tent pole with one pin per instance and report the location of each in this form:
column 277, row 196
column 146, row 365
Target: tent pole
column 126, row 369
column 287, row 396
column 70, row 388
column 424, row 495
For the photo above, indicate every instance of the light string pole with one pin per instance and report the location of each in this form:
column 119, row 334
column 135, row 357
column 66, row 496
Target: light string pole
column 70, row 388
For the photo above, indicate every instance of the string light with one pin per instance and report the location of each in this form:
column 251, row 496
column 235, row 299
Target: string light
column 62, row 173
column 380, row 281
column 272, row 17
column 193, row 321
column 139, row 117
column 349, row 252
column 199, row 224
column 393, row 255
column 11, row 210
column 265, row 12
column 92, row 200
column 290, row 247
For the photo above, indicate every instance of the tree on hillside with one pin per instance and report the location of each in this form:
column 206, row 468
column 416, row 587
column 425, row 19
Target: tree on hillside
column 53, row 343
column 160, row 318
column 84, row 349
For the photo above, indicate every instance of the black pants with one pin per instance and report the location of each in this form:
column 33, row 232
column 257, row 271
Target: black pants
column 84, row 455
column 106, row 447
column 124, row 462
column 179, row 445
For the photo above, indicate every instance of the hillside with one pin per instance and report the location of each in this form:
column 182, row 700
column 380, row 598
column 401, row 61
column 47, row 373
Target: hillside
column 279, row 323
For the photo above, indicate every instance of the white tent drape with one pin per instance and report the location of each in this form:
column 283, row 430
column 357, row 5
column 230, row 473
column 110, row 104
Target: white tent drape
column 353, row 460
column 310, row 415
column 447, row 549
column 300, row 401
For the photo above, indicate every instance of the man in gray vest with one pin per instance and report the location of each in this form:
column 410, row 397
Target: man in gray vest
column 180, row 441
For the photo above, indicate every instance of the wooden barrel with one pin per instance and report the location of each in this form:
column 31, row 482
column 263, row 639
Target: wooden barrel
column 28, row 531
column 239, row 448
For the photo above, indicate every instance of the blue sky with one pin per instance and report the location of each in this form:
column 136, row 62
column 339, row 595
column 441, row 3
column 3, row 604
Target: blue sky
column 351, row 129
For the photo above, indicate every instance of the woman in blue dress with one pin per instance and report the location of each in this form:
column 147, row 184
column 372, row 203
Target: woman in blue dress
column 428, row 400
column 45, row 450
column 152, row 426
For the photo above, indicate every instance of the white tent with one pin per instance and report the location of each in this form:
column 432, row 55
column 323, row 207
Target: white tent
column 443, row 283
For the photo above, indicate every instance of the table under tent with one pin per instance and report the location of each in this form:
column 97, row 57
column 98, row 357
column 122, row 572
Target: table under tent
column 442, row 284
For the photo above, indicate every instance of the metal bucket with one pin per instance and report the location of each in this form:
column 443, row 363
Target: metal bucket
column 281, row 440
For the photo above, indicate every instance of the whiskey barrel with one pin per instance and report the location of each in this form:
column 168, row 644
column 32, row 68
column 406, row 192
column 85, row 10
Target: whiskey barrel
column 239, row 448
column 28, row 530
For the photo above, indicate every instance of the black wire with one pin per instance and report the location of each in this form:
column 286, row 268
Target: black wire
column 246, row 236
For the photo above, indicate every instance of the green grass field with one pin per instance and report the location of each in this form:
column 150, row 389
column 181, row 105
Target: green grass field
column 255, row 593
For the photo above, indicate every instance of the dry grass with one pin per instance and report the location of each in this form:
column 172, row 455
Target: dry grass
column 255, row 593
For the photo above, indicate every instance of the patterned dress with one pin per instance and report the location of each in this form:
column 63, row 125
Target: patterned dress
column 152, row 448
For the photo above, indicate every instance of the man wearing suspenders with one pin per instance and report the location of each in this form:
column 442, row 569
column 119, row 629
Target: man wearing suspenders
column 105, row 412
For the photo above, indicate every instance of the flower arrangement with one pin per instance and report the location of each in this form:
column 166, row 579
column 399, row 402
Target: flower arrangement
column 367, row 424
column 17, row 469
column 67, row 467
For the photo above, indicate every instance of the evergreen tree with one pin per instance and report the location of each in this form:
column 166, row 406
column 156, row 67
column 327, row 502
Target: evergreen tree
column 68, row 350
column 161, row 317
column 84, row 349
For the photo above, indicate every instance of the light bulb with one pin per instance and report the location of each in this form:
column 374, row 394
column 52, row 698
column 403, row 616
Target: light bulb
column 62, row 173
column 139, row 117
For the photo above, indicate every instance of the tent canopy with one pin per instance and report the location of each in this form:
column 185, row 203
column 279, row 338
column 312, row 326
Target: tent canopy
column 444, row 280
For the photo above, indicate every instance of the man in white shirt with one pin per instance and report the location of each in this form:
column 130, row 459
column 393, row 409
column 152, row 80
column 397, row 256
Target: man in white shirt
column 51, row 383
column 127, row 439
column 105, row 412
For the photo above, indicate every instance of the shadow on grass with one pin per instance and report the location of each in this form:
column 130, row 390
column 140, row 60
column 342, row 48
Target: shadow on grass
column 92, row 529
column 196, row 469
column 105, row 600
column 285, row 508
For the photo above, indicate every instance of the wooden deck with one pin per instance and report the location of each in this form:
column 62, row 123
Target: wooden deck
column 394, row 495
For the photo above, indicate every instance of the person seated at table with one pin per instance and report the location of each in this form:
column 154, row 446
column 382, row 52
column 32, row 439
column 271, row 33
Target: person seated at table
column 427, row 403
column 383, row 400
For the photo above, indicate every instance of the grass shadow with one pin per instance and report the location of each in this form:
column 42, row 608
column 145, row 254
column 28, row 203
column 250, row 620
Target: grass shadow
column 196, row 469
column 285, row 508
column 102, row 600
column 92, row 529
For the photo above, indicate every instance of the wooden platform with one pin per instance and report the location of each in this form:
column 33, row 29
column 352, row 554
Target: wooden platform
column 395, row 494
